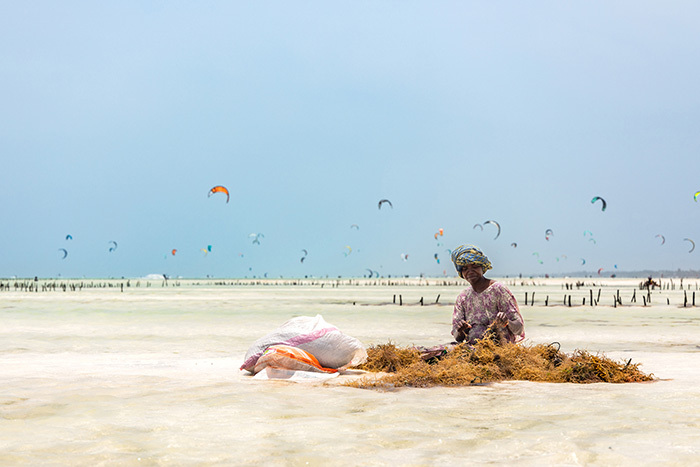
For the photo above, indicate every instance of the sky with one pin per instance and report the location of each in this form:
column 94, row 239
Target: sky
column 117, row 118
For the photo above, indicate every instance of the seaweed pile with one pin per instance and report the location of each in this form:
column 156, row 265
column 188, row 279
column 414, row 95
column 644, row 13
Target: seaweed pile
column 489, row 361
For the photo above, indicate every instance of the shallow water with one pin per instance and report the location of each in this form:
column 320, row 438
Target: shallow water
column 150, row 376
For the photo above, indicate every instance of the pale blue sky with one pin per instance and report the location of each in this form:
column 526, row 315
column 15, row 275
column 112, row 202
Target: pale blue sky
column 118, row 117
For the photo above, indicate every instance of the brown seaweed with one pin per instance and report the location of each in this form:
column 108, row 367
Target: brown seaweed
column 489, row 361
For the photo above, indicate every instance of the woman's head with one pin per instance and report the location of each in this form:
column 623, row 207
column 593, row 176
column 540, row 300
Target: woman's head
column 469, row 257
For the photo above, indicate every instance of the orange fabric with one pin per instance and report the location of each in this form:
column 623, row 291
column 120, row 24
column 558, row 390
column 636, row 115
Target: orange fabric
column 299, row 355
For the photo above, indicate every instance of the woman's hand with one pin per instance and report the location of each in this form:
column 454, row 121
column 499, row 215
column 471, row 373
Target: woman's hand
column 501, row 319
column 463, row 328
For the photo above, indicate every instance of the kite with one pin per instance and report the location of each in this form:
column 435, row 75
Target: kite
column 440, row 232
column 349, row 250
column 692, row 242
column 436, row 258
column 382, row 201
column 357, row 227
column 587, row 232
column 498, row 226
column 600, row 270
column 219, row 189
column 548, row 233
column 480, row 226
column 306, row 253
column 69, row 237
column 112, row 248
column 256, row 237
column 663, row 239
column 583, row 261
column 404, row 256
column 596, row 198
column 65, row 252
column 592, row 240
column 173, row 252
column 695, row 196
column 514, row 245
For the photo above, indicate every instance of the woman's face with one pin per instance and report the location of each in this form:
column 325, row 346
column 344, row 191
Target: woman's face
column 473, row 272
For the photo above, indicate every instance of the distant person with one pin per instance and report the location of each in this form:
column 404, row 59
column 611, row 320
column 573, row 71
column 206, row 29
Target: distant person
column 485, row 303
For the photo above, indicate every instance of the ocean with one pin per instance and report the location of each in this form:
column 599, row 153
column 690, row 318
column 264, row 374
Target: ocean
column 149, row 375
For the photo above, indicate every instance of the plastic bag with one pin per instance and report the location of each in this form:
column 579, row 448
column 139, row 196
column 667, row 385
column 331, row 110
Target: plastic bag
column 285, row 357
column 332, row 348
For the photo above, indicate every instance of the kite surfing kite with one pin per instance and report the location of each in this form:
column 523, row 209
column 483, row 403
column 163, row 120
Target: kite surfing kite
column 498, row 226
column 65, row 252
column 663, row 239
column 256, row 237
column 692, row 243
column 695, row 196
column 349, row 250
column 548, row 233
column 173, row 252
column 306, row 253
column 355, row 226
column 404, row 256
column 219, row 189
column 69, row 237
column 514, row 245
column 480, row 226
column 436, row 258
column 598, row 198
column 382, row 201
column 114, row 247
column 583, row 261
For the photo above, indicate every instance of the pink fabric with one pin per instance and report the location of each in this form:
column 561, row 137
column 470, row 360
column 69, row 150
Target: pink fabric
column 295, row 341
column 480, row 310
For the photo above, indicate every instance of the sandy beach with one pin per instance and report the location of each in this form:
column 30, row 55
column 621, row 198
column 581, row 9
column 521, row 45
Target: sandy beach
column 148, row 375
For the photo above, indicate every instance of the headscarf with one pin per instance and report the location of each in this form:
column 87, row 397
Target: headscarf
column 469, row 254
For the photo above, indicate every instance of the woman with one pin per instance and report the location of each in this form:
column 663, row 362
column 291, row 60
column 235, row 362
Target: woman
column 485, row 304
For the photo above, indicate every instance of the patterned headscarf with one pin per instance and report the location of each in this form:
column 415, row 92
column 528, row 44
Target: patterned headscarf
column 469, row 254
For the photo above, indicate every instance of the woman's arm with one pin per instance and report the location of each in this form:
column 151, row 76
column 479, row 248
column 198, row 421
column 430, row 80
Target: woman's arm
column 509, row 314
column 460, row 326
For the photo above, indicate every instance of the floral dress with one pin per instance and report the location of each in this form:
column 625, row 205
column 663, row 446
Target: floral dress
column 480, row 310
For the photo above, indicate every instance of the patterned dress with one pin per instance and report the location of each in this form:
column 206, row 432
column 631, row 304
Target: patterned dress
column 480, row 310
